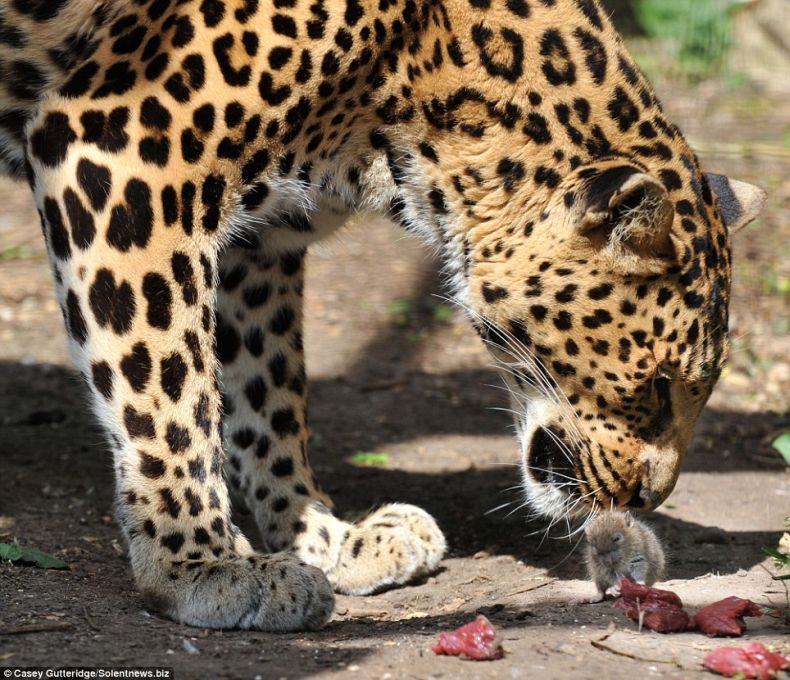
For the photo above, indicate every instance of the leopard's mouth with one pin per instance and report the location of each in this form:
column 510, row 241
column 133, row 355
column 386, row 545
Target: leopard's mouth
column 551, row 462
column 556, row 484
column 551, row 482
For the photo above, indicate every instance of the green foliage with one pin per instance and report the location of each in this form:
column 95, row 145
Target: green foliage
column 401, row 311
column 30, row 556
column 782, row 445
column 369, row 459
column 442, row 313
column 16, row 252
column 784, row 561
column 698, row 31
column 775, row 284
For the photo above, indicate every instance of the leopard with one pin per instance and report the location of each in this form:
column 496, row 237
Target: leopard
column 184, row 154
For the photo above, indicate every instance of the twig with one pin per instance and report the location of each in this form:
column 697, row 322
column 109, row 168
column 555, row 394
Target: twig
column 599, row 644
column 89, row 619
column 530, row 588
column 732, row 149
column 36, row 628
column 383, row 385
column 641, row 614
column 479, row 577
column 361, row 613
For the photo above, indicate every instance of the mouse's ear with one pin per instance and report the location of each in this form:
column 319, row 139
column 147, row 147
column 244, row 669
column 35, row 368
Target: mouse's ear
column 629, row 518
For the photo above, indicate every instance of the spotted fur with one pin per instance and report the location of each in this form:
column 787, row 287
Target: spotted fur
column 184, row 153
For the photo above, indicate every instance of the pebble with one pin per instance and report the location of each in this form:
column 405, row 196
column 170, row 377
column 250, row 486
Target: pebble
column 189, row 648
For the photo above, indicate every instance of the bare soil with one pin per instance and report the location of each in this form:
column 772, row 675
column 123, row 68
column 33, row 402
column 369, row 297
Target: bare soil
column 393, row 372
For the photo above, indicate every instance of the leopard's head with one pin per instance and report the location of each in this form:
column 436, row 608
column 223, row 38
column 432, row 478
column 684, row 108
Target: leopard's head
column 608, row 313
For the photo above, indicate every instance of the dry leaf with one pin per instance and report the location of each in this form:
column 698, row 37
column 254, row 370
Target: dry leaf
column 7, row 525
column 452, row 606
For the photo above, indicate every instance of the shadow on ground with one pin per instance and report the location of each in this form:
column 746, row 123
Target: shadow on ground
column 54, row 460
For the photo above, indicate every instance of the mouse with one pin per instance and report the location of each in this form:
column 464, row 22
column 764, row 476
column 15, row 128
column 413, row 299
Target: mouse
column 620, row 545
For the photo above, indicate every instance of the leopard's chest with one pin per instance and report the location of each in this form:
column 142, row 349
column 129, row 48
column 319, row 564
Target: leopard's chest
column 12, row 141
column 300, row 205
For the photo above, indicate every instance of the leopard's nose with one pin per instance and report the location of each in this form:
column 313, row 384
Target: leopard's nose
column 643, row 498
column 660, row 470
column 637, row 501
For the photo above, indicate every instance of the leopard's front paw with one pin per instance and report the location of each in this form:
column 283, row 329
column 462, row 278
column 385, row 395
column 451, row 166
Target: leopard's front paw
column 261, row 592
column 392, row 546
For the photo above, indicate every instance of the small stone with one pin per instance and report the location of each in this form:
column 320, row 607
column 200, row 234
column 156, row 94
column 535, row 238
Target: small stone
column 189, row 648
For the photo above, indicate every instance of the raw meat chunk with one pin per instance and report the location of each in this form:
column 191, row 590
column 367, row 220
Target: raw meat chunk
column 475, row 640
column 633, row 591
column 750, row 661
column 661, row 610
column 657, row 615
column 725, row 617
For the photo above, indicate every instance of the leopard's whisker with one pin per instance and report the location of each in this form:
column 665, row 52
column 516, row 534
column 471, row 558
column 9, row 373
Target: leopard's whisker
column 499, row 507
column 576, row 480
column 562, row 446
column 522, row 353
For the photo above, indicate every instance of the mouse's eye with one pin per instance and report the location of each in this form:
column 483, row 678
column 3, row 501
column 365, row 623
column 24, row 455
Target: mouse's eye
column 617, row 538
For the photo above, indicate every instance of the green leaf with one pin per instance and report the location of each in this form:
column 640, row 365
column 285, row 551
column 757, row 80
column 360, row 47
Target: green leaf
column 781, row 557
column 30, row 556
column 782, row 444
column 442, row 313
column 401, row 311
column 369, row 459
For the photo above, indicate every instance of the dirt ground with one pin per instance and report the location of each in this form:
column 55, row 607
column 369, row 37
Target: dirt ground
column 413, row 383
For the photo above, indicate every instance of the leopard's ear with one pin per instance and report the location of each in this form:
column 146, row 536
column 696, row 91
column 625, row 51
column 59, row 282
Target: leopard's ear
column 628, row 210
column 739, row 202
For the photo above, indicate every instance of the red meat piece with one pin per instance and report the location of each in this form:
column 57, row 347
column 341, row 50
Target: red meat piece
column 751, row 661
column 661, row 610
column 725, row 617
column 657, row 615
column 638, row 591
column 475, row 640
